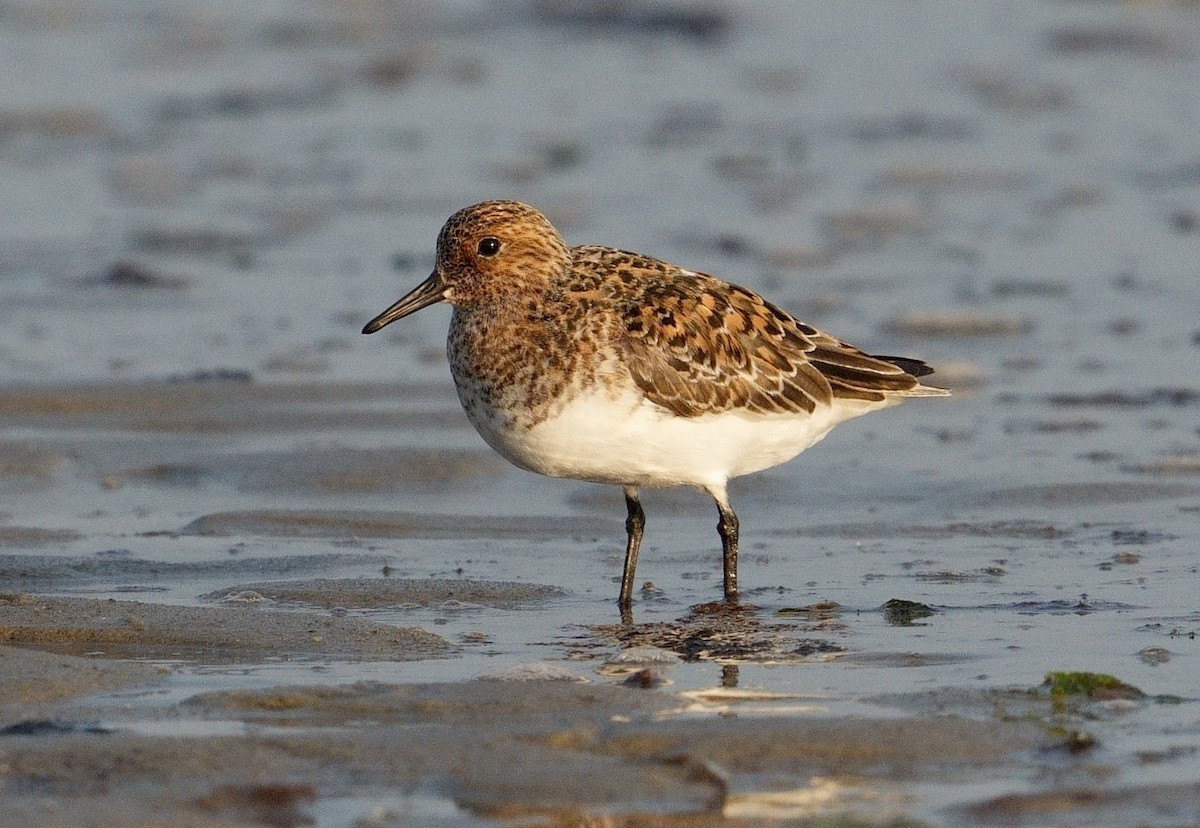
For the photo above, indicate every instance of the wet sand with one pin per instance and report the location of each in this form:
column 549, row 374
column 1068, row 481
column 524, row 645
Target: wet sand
column 84, row 743
column 257, row 569
column 139, row 629
column 550, row 752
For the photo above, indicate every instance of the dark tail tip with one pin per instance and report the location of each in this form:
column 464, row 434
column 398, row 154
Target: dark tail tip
column 909, row 366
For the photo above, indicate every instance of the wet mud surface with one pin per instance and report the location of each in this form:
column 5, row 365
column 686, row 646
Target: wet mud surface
column 257, row 569
column 549, row 752
column 125, row 629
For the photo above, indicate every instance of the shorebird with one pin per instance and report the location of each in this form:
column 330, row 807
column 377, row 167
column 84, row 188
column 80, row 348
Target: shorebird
column 603, row 365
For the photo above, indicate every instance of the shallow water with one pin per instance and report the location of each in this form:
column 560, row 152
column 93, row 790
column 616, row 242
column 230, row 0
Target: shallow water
column 206, row 201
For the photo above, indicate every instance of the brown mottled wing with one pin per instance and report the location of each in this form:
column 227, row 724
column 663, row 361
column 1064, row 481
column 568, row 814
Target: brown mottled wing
column 696, row 345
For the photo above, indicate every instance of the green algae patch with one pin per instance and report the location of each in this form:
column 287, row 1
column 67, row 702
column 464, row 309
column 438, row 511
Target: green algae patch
column 1098, row 686
column 901, row 613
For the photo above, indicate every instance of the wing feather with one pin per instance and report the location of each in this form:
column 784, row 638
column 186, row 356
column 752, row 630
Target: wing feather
column 695, row 345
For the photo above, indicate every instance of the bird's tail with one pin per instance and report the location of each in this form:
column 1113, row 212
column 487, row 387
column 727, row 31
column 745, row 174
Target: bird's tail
column 916, row 368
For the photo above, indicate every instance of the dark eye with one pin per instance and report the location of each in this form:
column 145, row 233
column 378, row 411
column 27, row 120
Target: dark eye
column 489, row 246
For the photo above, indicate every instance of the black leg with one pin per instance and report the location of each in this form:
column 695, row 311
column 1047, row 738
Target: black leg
column 634, row 524
column 727, row 527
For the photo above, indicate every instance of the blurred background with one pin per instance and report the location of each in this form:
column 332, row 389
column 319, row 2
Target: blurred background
column 237, row 186
column 205, row 201
column 201, row 204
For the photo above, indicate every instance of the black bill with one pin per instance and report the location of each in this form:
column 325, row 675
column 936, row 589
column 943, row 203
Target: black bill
column 429, row 292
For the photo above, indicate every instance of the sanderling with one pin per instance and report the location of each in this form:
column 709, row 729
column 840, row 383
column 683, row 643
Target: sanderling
column 598, row 364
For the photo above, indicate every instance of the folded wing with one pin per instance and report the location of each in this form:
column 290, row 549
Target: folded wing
column 697, row 345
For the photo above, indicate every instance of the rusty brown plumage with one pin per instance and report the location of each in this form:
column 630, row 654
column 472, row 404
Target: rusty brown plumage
column 697, row 345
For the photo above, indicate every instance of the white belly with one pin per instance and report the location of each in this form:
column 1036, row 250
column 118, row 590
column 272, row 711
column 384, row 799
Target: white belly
column 629, row 441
